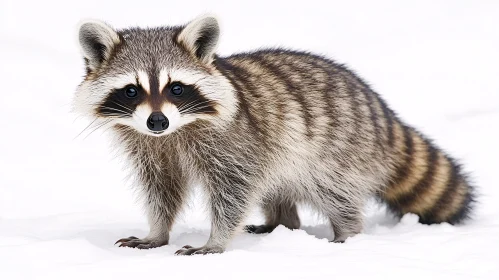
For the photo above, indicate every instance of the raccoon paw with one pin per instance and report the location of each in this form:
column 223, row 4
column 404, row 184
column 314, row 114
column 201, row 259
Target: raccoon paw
column 337, row 241
column 342, row 238
column 134, row 242
column 189, row 250
column 259, row 229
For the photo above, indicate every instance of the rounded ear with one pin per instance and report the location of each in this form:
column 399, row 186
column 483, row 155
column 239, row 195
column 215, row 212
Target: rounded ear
column 97, row 40
column 200, row 37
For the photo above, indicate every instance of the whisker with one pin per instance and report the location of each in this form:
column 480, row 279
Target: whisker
column 195, row 108
column 123, row 106
column 85, row 128
column 195, row 105
column 181, row 105
column 114, row 109
column 113, row 116
column 99, row 126
column 185, row 104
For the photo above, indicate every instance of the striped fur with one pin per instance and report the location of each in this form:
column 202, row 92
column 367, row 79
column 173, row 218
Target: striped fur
column 276, row 128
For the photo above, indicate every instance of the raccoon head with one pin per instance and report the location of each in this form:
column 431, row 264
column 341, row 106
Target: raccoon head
column 154, row 80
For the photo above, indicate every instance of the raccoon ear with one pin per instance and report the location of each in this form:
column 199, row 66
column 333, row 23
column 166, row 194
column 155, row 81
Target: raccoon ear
column 200, row 36
column 97, row 39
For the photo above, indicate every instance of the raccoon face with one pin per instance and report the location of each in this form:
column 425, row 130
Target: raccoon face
column 154, row 80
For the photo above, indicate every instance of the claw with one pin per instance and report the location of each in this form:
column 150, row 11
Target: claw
column 125, row 239
column 178, row 252
column 184, row 250
column 189, row 250
column 134, row 242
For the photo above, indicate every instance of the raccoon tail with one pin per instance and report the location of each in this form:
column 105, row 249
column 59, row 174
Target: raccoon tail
column 426, row 181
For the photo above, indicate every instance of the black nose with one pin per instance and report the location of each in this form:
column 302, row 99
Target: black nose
column 157, row 122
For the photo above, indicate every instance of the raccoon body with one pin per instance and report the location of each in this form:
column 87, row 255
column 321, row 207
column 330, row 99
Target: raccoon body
column 272, row 128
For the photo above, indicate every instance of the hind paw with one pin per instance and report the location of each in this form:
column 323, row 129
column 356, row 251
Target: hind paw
column 259, row 229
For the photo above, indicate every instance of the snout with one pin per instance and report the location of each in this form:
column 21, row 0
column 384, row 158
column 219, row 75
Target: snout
column 157, row 122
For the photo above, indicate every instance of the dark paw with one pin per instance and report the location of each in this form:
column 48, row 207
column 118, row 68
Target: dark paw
column 188, row 250
column 134, row 242
column 342, row 238
column 259, row 229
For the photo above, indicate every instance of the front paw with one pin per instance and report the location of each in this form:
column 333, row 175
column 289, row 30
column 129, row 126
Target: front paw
column 189, row 250
column 146, row 243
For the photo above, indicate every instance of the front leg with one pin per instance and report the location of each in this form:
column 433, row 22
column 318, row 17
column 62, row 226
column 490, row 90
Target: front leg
column 230, row 199
column 164, row 196
column 159, row 233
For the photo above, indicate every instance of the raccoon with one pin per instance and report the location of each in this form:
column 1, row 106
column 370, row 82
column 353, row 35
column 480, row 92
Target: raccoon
column 272, row 128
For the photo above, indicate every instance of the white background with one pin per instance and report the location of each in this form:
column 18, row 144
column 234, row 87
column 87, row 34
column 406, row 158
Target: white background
column 64, row 199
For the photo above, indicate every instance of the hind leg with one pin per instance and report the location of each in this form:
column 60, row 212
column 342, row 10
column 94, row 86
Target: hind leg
column 277, row 212
column 345, row 224
column 343, row 209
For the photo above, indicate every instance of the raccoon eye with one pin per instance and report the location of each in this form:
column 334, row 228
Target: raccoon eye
column 177, row 89
column 131, row 92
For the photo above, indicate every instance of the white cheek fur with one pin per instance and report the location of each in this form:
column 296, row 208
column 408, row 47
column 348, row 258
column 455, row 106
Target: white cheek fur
column 175, row 119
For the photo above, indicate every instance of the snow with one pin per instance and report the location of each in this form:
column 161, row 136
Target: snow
column 64, row 199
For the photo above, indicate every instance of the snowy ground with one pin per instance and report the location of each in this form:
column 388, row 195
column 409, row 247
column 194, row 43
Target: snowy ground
column 64, row 201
